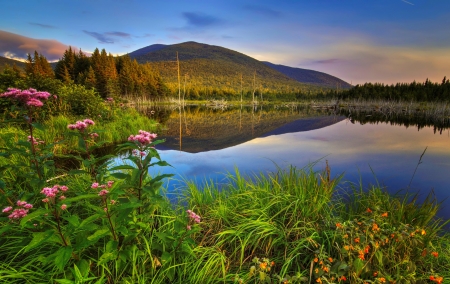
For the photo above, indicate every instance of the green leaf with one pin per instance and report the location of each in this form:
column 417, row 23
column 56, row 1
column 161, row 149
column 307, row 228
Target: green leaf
column 38, row 126
column 166, row 257
column 161, row 164
column 63, row 255
column 122, row 167
column 81, row 144
column 2, row 184
column 76, row 172
column 77, row 274
column 84, row 267
column 38, row 238
column 379, row 257
column 98, row 234
column 120, row 175
column 81, row 197
column 358, row 265
column 89, row 220
column 73, row 220
column 107, row 256
column 64, row 281
column 33, row 215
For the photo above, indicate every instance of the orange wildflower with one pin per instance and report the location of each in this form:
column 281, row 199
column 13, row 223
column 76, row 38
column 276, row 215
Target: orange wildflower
column 424, row 252
column 361, row 255
column 325, row 269
column 366, row 249
column 343, row 278
column 435, row 254
column 385, row 214
column 375, row 274
column 382, row 280
column 263, row 265
column 368, row 210
column 330, row 259
column 356, row 240
column 375, row 227
column 272, row 263
column 432, row 278
column 338, row 225
column 319, row 280
column 316, row 259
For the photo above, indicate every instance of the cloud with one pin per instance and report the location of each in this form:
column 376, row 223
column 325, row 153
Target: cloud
column 108, row 37
column 407, row 2
column 200, row 20
column 102, row 38
column 43, row 25
column 118, row 34
column 325, row 61
column 17, row 46
column 263, row 11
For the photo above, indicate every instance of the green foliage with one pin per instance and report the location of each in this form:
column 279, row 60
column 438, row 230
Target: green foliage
column 82, row 101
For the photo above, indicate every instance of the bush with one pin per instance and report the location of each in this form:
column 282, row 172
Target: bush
column 82, row 101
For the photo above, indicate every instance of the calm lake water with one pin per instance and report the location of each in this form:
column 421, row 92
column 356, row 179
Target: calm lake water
column 205, row 143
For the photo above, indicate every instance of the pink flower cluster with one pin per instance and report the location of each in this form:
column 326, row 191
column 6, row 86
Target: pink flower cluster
column 192, row 218
column 29, row 97
column 109, row 100
column 20, row 212
column 81, row 125
column 35, row 140
column 96, row 185
column 144, row 137
column 51, row 192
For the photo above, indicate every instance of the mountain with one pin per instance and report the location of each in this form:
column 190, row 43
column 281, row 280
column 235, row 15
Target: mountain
column 207, row 129
column 217, row 69
column 310, row 76
column 6, row 61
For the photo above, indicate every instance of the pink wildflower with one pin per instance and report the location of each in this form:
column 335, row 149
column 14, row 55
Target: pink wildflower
column 110, row 183
column 7, row 209
column 18, row 213
column 112, row 202
column 62, row 197
column 94, row 185
column 193, row 216
column 35, row 103
column 45, row 200
column 64, row 188
column 63, row 207
column 144, row 137
column 188, row 227
column 105, row 209
column 94, row 135
column 89, row 122
column 103, row 192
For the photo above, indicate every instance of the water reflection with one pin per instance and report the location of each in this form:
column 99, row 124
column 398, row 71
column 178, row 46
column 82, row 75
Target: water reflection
column 362, row 148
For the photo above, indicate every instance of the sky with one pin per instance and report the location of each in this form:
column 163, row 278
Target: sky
column 386, row 41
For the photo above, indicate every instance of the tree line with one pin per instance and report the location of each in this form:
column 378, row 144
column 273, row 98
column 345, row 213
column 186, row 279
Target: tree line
column 421, row 92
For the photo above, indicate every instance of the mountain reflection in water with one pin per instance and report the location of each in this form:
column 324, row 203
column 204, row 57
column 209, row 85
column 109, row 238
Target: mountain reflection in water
column 214, row 142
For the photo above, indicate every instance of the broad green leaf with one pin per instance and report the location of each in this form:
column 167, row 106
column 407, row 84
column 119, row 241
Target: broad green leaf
column 84, row 267
column 73, row 220
column 122, row 167
column 98, row 234
column 107, row 256
column 63, row 256
column 77, row 273
column 38, row 238
column 166, row 257
column 89, row 220
column 358, row 265
column 38, row 126
column 33, row 215
column 81, row 144
column 120, row 175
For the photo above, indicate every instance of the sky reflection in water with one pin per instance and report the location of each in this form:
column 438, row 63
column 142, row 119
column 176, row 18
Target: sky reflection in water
column 392, row 152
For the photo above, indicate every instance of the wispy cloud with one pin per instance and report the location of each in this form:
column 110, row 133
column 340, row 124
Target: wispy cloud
column 118, row 34
column 108, row 37
column 264, row 11
column 200, row 20
column 43, row 25
column 407, row 2
column 18, row 46
column 102, row 38
column 325, row 61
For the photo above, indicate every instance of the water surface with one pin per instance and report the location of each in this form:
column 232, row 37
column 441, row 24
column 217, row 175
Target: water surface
column 205, row 143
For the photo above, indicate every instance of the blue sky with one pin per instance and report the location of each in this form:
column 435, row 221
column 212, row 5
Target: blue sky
column 356, row 40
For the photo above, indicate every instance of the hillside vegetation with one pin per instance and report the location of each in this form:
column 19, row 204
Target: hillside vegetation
column 208, row 70
column 310, row 76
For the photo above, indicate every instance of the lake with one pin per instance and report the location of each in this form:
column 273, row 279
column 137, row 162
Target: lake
column 204, row 143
